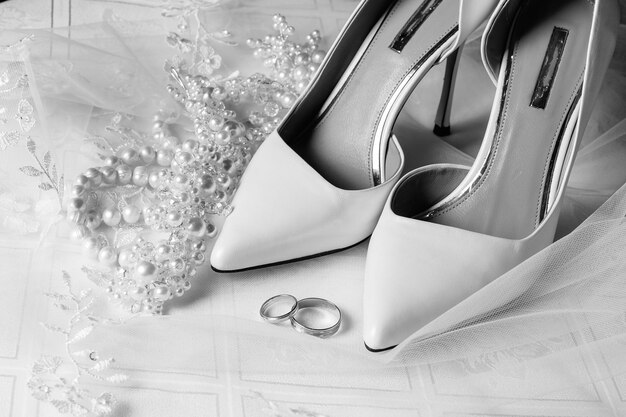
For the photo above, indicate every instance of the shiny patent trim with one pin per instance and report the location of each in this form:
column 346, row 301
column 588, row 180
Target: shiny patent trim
column 396, row 102
column 413, row 24
column 549, row 68
column 549, row 189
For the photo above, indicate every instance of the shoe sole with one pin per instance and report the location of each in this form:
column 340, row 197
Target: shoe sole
column 378, row 350
column 289, row 261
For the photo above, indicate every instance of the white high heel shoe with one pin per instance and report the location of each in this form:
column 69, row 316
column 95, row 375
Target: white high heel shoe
column 446, row 231
column 319, row 182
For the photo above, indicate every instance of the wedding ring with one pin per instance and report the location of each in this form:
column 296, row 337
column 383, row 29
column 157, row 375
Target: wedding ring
column 317, row 317
column 279, row 308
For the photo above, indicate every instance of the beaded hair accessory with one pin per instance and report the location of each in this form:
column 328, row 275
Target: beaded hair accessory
column 174, row 186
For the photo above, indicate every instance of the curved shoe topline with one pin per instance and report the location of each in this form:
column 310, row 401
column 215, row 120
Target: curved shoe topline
column 319, row 182
column 447, row 231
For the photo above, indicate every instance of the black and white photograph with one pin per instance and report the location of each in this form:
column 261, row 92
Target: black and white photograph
column 313, row 208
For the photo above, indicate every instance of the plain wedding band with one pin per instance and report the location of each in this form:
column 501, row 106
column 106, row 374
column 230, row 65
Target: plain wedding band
column 278, row 299
column 320, row 304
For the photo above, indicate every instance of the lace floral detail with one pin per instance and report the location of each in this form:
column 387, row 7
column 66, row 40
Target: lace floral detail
column 58, row 381
column 46, row 170
column 209, row 60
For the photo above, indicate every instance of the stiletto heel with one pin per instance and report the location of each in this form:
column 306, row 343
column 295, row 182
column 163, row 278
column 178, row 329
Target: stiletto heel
column 319, row 182
column 446, row 231
column 442, row 120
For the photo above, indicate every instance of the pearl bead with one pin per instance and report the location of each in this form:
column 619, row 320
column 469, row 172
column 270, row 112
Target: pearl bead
column 84, row 182
column 107, row 256
column 91, row 247
column 222, row 137
column 154, row 179
column 287, row 100
column 126, row 258
column 93, row 219
column 145, row 270
column 78, row 191
column 302, row 59
column 301, row 85
column 224, row 181
column 124, row 174
column 300, row 73
column 180, row 181
column 140, row 176
column 174, row 219
column 111, row 217
column 111, row 161
column 318, row 56
column 109, row 175
column 190, row 145
column 183, row 158
column 161, row 293
column 163, row 252
column 147, row 154
column 130, row 156
column 216, row 123
column 131, row 214
column 164, row 158
column 76, row 204
column 196, row 227
column 94, row 176
column 207, row 184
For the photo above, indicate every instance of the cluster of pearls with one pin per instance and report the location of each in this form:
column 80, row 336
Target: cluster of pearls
column 176, row 186
column 292, row 64
column 150, row 274
column 144, row 275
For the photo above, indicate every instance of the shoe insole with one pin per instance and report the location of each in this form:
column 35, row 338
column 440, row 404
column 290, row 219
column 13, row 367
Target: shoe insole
column 540, row 81
column 339, row 144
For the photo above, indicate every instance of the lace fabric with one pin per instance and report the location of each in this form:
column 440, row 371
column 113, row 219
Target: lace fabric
column 547, row 338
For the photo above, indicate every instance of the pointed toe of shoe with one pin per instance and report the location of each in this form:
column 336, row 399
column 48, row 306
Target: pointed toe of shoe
column 418, row 270
column 280, row 218
column 394, row 306
column 226, row 256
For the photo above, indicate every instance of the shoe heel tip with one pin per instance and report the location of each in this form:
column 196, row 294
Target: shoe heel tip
column 441, row 131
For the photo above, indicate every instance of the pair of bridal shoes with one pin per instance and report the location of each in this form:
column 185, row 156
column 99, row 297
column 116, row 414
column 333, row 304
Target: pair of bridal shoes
column 319, row 181
column 331, row 173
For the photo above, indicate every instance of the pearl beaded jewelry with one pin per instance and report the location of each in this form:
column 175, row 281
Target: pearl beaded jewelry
column 176, row 186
